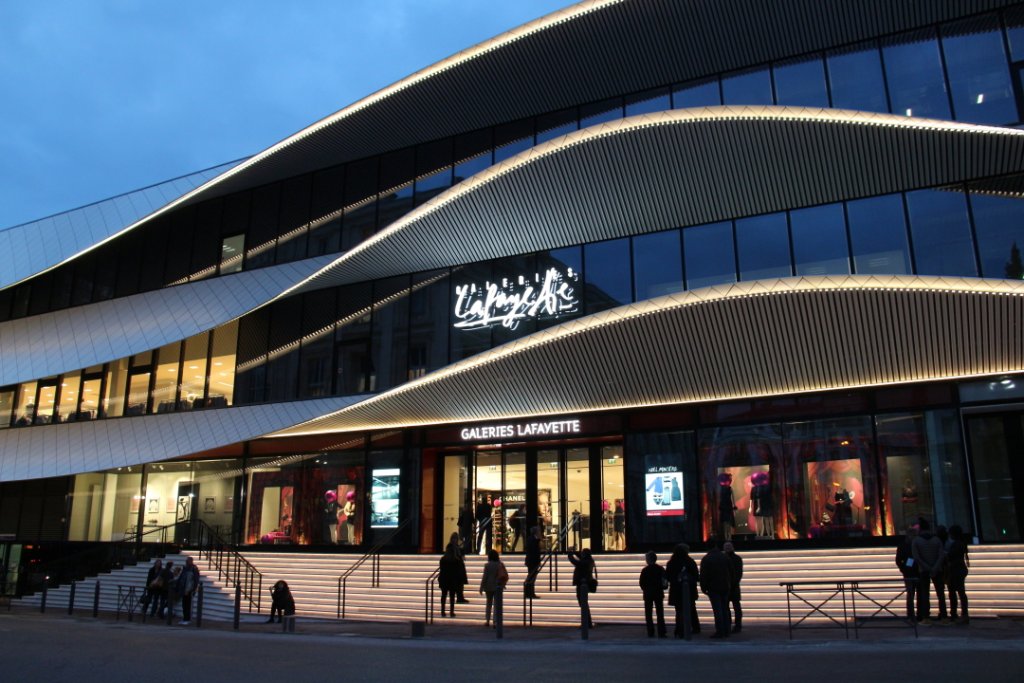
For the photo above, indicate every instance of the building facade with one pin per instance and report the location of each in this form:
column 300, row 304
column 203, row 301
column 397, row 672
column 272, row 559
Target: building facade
column 638, row 271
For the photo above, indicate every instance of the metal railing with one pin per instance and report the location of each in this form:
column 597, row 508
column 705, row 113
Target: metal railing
column 550, row 561
column 824, row 600
column 428, row 596
column 374, row 554
column 231, row 567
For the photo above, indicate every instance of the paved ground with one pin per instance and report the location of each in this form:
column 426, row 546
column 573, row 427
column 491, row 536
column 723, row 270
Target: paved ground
column 58, row 647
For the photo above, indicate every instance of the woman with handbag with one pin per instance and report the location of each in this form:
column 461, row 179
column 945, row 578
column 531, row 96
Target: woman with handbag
column 584, row 578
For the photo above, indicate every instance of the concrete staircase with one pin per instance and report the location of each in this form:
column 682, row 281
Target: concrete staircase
column 995, row 585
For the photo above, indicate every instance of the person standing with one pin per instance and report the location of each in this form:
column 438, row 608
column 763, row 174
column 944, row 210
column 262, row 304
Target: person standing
column 584, row 578
column 908, row 568
column 928, row 555
column 958, row 562
column 516, row 520
column 532, row 545
column 681, row 565
column 164, row 587
column 450, row 578
column 188, row 582
column 454, row 542
column 716, row 583
column 483, row 523
column 653, row 580
column 736, row 570
column 492, row 581
column 149, row 594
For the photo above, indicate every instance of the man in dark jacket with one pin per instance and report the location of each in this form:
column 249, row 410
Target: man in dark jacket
column 533, row 559
column 716, row 583
column 908, row 568
column 653, row 580
column 929, row 556
column 681, row 566
column 736, row 568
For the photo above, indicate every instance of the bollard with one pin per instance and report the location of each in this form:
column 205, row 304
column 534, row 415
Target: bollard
column 71, row 600
column 238, row 604
column 96, row 601
column 42, row 604
column 687, row 604
column 499, row 625
column 199, row 607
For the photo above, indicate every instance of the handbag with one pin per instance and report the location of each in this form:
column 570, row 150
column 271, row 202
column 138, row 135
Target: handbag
column 591, row 585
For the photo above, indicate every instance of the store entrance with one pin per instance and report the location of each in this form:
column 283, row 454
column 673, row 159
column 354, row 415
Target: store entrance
column 575, row 494
column 996, row 440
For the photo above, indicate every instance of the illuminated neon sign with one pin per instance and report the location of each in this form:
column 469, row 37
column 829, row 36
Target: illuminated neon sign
column 521, row 430
column 547, row 295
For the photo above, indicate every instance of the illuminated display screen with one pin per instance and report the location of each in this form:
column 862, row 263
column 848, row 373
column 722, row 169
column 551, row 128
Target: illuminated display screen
column 549, row 294
column 384, row 498
column 664, row 495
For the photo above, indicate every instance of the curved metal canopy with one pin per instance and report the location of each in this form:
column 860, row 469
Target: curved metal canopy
column 676, row 168
column 734, row 341
column 77, row 338
column 63, row 449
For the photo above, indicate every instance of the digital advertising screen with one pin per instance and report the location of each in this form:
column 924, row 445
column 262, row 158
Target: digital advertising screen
column 664, row 497
column 384, row 498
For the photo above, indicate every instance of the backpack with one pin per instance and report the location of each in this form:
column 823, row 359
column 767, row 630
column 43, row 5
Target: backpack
column 502, row 575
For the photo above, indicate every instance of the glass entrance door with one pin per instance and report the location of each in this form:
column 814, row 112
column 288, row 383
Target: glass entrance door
column 996, row 442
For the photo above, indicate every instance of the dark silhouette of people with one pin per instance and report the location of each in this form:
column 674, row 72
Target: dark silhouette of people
column 653, row 580
column 680, row 565
column 584, row 578
column 908, row 568
column 517, row 520
column 928, row 555
column 716, row 583
column 483, row 523
column 958, row 562
column 736, row 569
column 282, row 603
column 533, row 559
column 450, row 578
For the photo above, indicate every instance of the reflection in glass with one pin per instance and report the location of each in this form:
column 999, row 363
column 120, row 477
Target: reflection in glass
column 165, row 384
column 648, row 102
column 25, row 408
column 105, row 506
column 89, row 409
column 512, row 138
column 551, row 126
column 47, row 402
column 390, row 333
column 913, row 70
column 138, row 393
column 855, row 78
column 607, row 274
column 878, row 233
column 69, row 395
column 709, row 255
column 6, row 408
column 747, row 87
column 472, row 153
column 117, row 377
column 428, row 322
column 600, row 112
column 941, row 232
column 801, row 83
column 701, row 94
column 762, row 243
column 978, row 77
column 819, row 240
column 995, row 441
column 657, row 264
column 999, row 229
column 232, row 251
column 613, row 498
column 193, row 374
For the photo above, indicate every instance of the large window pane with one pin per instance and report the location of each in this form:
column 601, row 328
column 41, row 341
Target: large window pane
column 855, row 76
column 600, row 112
column 801, row 83
column 747, row 87
column 657, row 264
column 512, row 138
column 47, row 403
column 923, row 469
column 389, row 344
column 117, row 378
column 978, row 77
column 6, row 408
column 472, row 154
column 193, row 374
column 90, row 399
column 995, row 444
column 709, row 254
column 648, row 102
column 555, row 125
column 762, row 243
column 819, row 240
column 568, row 264
column 941, row 233
column 999, row 227
column 607, row 274
column 138, row 393
column 69, row 394
column 428, row 322
column 165, row 385
column 832, row 479
column 913, row 70
column 25, row 407
column 1014, row 18
column 222, row 365
column 701, row 94
column 878, row 233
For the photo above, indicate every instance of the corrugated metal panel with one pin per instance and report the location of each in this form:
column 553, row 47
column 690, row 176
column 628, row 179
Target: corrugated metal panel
column 75, row 338
column 749, row 339
column 57, row 450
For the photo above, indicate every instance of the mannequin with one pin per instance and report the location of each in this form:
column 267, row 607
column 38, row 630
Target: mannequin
column 330, row 516
column 349, row 511
column 762, row 507
column 726, row 505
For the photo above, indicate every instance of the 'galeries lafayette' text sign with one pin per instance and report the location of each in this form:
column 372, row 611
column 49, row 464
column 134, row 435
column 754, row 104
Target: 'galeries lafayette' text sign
column 522, row 430
column 547, row 295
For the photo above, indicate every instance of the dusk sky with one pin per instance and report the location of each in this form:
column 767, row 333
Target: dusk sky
column 108, row 96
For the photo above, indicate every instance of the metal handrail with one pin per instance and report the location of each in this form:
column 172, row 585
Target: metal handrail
column 231, row 567
column 549, row 560
column 428, row 596
column 374, row 553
